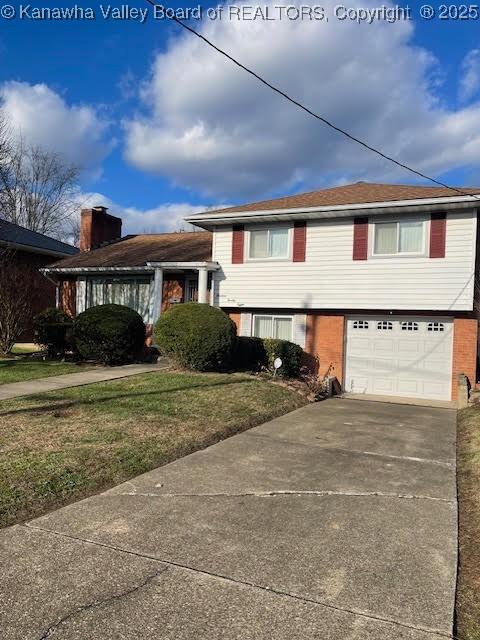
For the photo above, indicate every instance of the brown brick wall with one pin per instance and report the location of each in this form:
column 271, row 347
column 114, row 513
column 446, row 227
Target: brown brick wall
column 172, row 288
column 236, row 318
column 41, row 290
column 465, row 332
column 325, row 341
column 68, row 297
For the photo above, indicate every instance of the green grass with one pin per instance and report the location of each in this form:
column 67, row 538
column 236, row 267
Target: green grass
column 468, row 477
column 60, row 446
column 22, row 369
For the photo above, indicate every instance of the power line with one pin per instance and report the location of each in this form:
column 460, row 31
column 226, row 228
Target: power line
column 171, row 16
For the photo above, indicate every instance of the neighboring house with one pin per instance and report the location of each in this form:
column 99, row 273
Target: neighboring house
column 376, row 282
column 26, row 252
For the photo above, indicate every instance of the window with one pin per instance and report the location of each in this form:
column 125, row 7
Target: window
column 435, row 326
column 280, row 327
column 269, row 243
column 360, row 324
column 403, row 237
column 384, row 325
column 128, row 291
column 409, row 326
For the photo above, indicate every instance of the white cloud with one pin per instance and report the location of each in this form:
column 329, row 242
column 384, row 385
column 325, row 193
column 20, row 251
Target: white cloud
column 164, row 218
column 42, row 117
column 470, row 80
column 209, row 126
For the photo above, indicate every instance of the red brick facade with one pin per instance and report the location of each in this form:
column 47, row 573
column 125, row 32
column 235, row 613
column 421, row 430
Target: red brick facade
column 68, row 296
column 41, row 290
column 465, row 333
column 325, row 341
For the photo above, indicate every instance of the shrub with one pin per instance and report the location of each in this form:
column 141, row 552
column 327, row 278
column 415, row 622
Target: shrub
column 197, row 336
column 250, row 354
column 109, row 333
column 290, row 354
column 51, row 327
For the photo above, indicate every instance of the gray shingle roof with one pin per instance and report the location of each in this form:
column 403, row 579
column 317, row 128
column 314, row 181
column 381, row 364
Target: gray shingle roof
column 13, row 233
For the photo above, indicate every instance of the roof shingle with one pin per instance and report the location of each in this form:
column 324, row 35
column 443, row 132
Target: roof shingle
column 136, row 251
column 15, row 234
column 357, row 193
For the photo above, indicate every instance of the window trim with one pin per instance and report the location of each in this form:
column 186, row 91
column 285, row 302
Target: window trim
column 403, row 254
column 287, row 258
column 273, row 316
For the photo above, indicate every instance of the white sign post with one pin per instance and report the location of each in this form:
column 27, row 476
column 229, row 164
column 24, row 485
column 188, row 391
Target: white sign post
column 277, row 363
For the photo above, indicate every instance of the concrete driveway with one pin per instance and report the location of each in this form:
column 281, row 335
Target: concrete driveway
column 337, row 521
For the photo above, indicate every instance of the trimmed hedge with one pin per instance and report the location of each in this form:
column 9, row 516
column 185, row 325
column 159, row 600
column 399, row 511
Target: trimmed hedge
column 50, row 328
column 254, row 354
column 289, row 352
column 109, row 333
column 197, row 336
column 250, row 354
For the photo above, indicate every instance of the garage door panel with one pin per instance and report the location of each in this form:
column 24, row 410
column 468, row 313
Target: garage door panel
column 399, row 356
column 408, row 387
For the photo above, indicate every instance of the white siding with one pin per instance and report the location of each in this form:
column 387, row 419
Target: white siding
column 331, row 279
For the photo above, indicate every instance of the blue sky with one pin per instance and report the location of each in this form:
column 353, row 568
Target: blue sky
column 163, row 125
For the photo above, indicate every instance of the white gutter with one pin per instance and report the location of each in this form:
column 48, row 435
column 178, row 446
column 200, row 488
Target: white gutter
column 211, row 266
column 149, row 268
column 46, row 270
column 206, row 220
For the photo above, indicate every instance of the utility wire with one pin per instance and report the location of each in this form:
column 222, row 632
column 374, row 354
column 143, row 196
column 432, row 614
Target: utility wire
column 171, row 16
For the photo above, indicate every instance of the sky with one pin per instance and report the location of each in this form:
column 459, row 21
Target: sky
column 163, row 126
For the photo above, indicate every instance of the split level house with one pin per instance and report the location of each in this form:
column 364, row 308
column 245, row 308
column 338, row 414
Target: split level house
column 375, row 282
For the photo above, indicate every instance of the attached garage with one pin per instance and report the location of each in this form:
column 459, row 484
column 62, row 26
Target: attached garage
column 399, row 356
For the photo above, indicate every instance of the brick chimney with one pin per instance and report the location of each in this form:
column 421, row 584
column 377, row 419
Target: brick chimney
column 98, row 227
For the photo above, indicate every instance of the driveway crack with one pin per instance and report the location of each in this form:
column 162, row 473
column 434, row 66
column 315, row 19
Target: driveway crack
column 100, row 603
column 286, row 492
column 245, row 583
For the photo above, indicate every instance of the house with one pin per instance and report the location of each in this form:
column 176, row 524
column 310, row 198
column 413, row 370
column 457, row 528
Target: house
column 26, row 251
column 374, row 281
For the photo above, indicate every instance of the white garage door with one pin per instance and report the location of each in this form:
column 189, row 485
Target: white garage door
column 406, row 356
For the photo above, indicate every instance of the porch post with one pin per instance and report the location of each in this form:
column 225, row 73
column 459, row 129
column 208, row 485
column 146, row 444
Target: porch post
column 157, row 294
column 202, row 284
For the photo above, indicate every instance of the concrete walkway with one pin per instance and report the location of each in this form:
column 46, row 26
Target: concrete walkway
column 335, row 522
column 53, row 383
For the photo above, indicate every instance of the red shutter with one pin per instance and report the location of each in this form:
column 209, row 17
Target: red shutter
column 438, row 229
column 237, row 244
column 360, row 238
column 299, row 241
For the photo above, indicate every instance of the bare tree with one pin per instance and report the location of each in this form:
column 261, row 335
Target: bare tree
column 15, row 300
column 38, row 188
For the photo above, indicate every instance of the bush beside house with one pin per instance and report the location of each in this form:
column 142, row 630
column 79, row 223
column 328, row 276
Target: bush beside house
column 109, row 333
column 255, row 354
column 50, row 329
column 197, row 336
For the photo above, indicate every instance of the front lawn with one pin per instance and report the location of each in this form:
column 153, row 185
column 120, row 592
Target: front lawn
column 60, row 446
column 22, row 369
column 468, row 476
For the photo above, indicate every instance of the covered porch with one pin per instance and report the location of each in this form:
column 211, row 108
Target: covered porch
column 150, row 290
